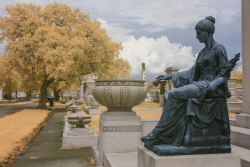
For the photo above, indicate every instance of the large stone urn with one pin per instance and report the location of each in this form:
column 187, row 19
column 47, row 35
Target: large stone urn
column 119, row 127
column 119, row 95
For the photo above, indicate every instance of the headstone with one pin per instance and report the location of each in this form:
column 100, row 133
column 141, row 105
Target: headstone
column 82, row 80
column 1, row 94
column 148, row 98
column 143, row 72
column 154, row 93
column 166, row 85
column 90, row 84
column 171, row 70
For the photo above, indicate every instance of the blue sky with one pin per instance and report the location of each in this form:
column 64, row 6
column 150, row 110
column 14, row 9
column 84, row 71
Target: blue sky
column 161, row 32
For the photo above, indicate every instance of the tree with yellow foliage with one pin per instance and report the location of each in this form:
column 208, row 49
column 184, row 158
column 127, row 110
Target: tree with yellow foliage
column 57, row 43
column 10, row 83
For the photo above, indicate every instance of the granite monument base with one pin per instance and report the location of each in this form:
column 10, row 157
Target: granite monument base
column 119, row 132
column 147, row 158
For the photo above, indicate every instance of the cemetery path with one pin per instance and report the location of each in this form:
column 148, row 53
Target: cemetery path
column 11, row 109
column 46, row 149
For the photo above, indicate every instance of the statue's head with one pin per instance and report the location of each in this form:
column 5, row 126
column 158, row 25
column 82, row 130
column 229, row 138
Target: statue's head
column 204, row 28
column 206, row 24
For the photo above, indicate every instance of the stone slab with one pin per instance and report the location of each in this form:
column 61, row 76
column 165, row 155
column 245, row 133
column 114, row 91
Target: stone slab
column 94, row 111
column 232, row 121
column 128, row 159
column 123, row 159
column 243, row 120
column 146, row 158
column 240, row 136
column 81, row 133
column 79, row 141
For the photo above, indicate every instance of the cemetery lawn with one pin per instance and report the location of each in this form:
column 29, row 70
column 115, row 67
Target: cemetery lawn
column 17, row 131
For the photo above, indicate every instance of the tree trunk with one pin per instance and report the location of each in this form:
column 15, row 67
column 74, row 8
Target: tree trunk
column 9, row 95
column 56, row 94
column 43, row 93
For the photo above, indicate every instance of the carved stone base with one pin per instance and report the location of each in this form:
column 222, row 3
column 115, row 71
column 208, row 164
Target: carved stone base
column 118, row 132
column 168, row 150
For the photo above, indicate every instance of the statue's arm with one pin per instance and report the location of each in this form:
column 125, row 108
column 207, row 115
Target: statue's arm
column 161, row 77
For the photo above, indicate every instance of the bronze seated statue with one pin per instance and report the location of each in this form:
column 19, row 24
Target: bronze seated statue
column 195, row 115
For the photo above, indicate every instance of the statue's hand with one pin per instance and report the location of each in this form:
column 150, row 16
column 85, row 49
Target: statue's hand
column 156, row 82
column 212, row 86
column 158, row 79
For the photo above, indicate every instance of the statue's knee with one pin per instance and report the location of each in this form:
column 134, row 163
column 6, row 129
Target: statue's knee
column 168, row 94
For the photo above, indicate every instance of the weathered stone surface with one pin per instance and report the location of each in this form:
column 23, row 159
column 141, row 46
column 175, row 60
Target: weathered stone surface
column 91, row 111
column 118, row 134
column 243, row 120
column 240, row 137
column 78, row 137
column 118, row 95
column 245, row 58
column 128, row 159
column 147, row 158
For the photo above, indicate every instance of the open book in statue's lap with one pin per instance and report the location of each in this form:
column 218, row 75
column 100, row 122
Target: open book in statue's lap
column 195, row 116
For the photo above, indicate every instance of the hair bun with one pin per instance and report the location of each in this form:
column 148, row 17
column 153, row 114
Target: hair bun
column 211, row 18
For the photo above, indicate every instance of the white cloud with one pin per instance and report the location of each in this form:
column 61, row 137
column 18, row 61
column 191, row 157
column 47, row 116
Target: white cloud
column 157, row 55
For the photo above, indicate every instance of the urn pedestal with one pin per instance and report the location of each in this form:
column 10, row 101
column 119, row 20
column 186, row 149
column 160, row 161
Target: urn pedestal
column 119, row 127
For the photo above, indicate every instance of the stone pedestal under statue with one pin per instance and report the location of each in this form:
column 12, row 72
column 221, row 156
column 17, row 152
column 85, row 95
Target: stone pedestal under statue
column 147, row 158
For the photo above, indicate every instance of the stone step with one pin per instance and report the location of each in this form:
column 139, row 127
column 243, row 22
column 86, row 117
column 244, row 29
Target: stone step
column 244, row 155
column 130, row 159
column 240, row 137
